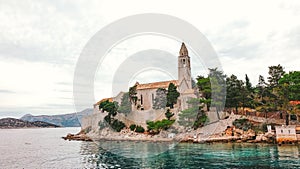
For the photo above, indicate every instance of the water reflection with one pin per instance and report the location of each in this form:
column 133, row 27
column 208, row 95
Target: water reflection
column 226, row 155
column 286, row 152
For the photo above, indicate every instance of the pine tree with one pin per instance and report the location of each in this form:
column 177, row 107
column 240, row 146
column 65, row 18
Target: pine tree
column 172, row 95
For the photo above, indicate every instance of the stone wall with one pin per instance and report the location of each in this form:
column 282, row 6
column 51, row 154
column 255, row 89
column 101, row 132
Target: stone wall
column 148, row 96
column 93, row 120
column 140, row 117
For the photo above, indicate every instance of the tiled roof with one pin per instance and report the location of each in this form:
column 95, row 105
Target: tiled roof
column 294, row 102
column 103, row 100
column 156, row 85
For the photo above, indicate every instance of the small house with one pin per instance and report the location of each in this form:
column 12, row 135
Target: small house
column 286, row 134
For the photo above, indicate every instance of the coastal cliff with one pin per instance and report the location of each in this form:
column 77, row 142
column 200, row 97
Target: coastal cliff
column 226, row 130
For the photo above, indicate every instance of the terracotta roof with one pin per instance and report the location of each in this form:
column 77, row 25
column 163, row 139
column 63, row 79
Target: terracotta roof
column 155, row 85
column 103, row 100
column 294, row 102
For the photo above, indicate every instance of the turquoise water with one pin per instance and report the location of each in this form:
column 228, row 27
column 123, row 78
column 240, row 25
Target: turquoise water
column 43, row 148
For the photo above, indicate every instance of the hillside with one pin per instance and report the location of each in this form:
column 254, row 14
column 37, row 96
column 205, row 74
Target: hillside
column 8, row 123
column 65, row 120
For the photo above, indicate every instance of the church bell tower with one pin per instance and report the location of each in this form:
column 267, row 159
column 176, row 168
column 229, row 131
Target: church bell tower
column 184, row 70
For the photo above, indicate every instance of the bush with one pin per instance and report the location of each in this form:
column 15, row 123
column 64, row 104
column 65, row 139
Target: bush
column 156, row 127
column 117, row 125
column 169, row 114
column 243, row 124
column 87, row 130
column 139, row 129
column 102, row 124
column 107, row 118
column 132, row 127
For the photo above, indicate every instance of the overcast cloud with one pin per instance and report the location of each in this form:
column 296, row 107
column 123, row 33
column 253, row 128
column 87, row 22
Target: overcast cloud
column 40, row 42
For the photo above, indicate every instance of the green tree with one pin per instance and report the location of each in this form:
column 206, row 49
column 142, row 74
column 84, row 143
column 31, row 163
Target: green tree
column 218, row 88
column 262, row 103
column 292, row 80
column 160, row 100
column 288, row 90
column 169, row 114
column 110, row 107
column 125, row 106
column 235, row 92
column 157, row 126
column 203, row 84
column 275, row 74
column 194, row 116
column 132, row 94
column 172, row 95
column 248, row 94
column 139, row 129
column 117, row 125
column 248, row 84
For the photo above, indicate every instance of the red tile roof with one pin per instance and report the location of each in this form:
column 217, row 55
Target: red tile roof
column 294, row 102
column 103, row 100
column 156, row 85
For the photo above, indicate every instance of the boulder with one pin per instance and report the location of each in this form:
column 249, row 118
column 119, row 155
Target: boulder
column 238, row 132
column 228, row 131
column 259, row 137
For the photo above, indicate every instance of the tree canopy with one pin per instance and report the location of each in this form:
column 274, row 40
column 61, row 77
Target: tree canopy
column 160, row 100
column 194, row 116
column 125, row 106
column 172, row 95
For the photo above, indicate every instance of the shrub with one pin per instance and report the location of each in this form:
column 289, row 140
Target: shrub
column 156, row 127
column 139, row 129
column 102, row 124
column 107, row 118
column 169, row 114
column 243, row 124
column 117, row 125
column 132, row 127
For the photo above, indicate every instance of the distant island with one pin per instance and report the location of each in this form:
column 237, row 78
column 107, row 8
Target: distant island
column 64, row 120
column 12, row 123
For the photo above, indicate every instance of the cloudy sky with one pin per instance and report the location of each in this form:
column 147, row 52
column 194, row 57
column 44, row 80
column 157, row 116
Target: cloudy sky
column 40, row 42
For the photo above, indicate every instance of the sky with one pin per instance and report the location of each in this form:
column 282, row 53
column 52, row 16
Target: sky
column 41, row 41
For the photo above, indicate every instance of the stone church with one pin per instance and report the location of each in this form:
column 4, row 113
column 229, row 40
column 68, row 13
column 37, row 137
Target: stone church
column 146, row 93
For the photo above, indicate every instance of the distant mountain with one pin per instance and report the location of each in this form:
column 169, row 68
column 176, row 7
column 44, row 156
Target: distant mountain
column 8, row 123
column 65, row 120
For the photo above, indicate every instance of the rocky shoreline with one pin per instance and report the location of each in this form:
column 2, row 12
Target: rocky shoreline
column 81, row 136
column 233, row 129
column 237, row 136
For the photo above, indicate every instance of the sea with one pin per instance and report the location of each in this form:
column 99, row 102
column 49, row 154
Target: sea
column 44, row 148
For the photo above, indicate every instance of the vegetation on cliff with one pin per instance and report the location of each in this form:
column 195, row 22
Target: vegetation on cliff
column 273, row 95
column 125, row 106
column 154, row 127
column 111, row 108
column 193, row 117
